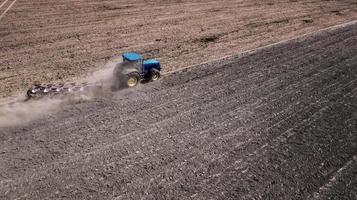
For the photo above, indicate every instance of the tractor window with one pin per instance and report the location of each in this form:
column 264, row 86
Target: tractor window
column 138, row 64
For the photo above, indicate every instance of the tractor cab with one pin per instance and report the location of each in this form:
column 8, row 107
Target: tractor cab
column 144, row 66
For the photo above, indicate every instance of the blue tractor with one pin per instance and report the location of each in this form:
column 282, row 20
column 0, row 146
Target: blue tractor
column 135, row 69
column 128, row 73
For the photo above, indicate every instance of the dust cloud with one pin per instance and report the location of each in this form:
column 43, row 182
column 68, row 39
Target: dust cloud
column 104, row 75
column 16, row 113
column 16, row 110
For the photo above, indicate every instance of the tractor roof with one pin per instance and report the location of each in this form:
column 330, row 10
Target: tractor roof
column 151, row 62
column 131, row 56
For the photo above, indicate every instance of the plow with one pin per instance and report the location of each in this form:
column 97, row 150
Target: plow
column 38, row 90
column 132, row 71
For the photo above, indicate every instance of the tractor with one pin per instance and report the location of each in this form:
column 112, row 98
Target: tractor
column 135, row 69
column 129, row 73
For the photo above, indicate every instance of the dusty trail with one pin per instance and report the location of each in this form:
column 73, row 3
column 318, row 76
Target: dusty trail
column 279, row 123
column 16, row 110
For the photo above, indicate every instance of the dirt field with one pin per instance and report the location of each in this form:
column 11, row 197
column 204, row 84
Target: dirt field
column 279, row 123
column 56, row 40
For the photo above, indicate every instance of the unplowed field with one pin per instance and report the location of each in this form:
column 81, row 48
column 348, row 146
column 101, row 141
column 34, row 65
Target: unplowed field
column 278, row 123
column 56, row 40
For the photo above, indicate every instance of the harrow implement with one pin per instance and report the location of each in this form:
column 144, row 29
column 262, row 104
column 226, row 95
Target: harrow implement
column 41, row 90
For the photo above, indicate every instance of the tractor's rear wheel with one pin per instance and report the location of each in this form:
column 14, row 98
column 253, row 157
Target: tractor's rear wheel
column 154, row 75
column 133, row 79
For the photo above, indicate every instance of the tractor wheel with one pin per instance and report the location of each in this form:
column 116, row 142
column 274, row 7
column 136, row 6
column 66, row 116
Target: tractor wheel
column 154, row 75
column 133, row 79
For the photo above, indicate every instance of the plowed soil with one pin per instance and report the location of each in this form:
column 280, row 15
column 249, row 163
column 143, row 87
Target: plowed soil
column 277, row 123
column 56, row 40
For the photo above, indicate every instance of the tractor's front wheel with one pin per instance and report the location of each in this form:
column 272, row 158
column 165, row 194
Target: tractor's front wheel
column 154, row 75
column 133, row 79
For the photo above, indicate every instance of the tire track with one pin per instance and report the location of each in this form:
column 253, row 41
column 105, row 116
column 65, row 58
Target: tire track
column 7, row 9
column 1, row 5
column 334, row 178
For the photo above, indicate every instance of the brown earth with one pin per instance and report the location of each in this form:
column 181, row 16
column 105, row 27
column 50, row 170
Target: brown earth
column 278, row 123
column 52, row 40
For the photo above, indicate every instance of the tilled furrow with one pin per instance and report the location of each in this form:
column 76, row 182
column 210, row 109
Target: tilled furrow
column 203, row 114
column 114, row 133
